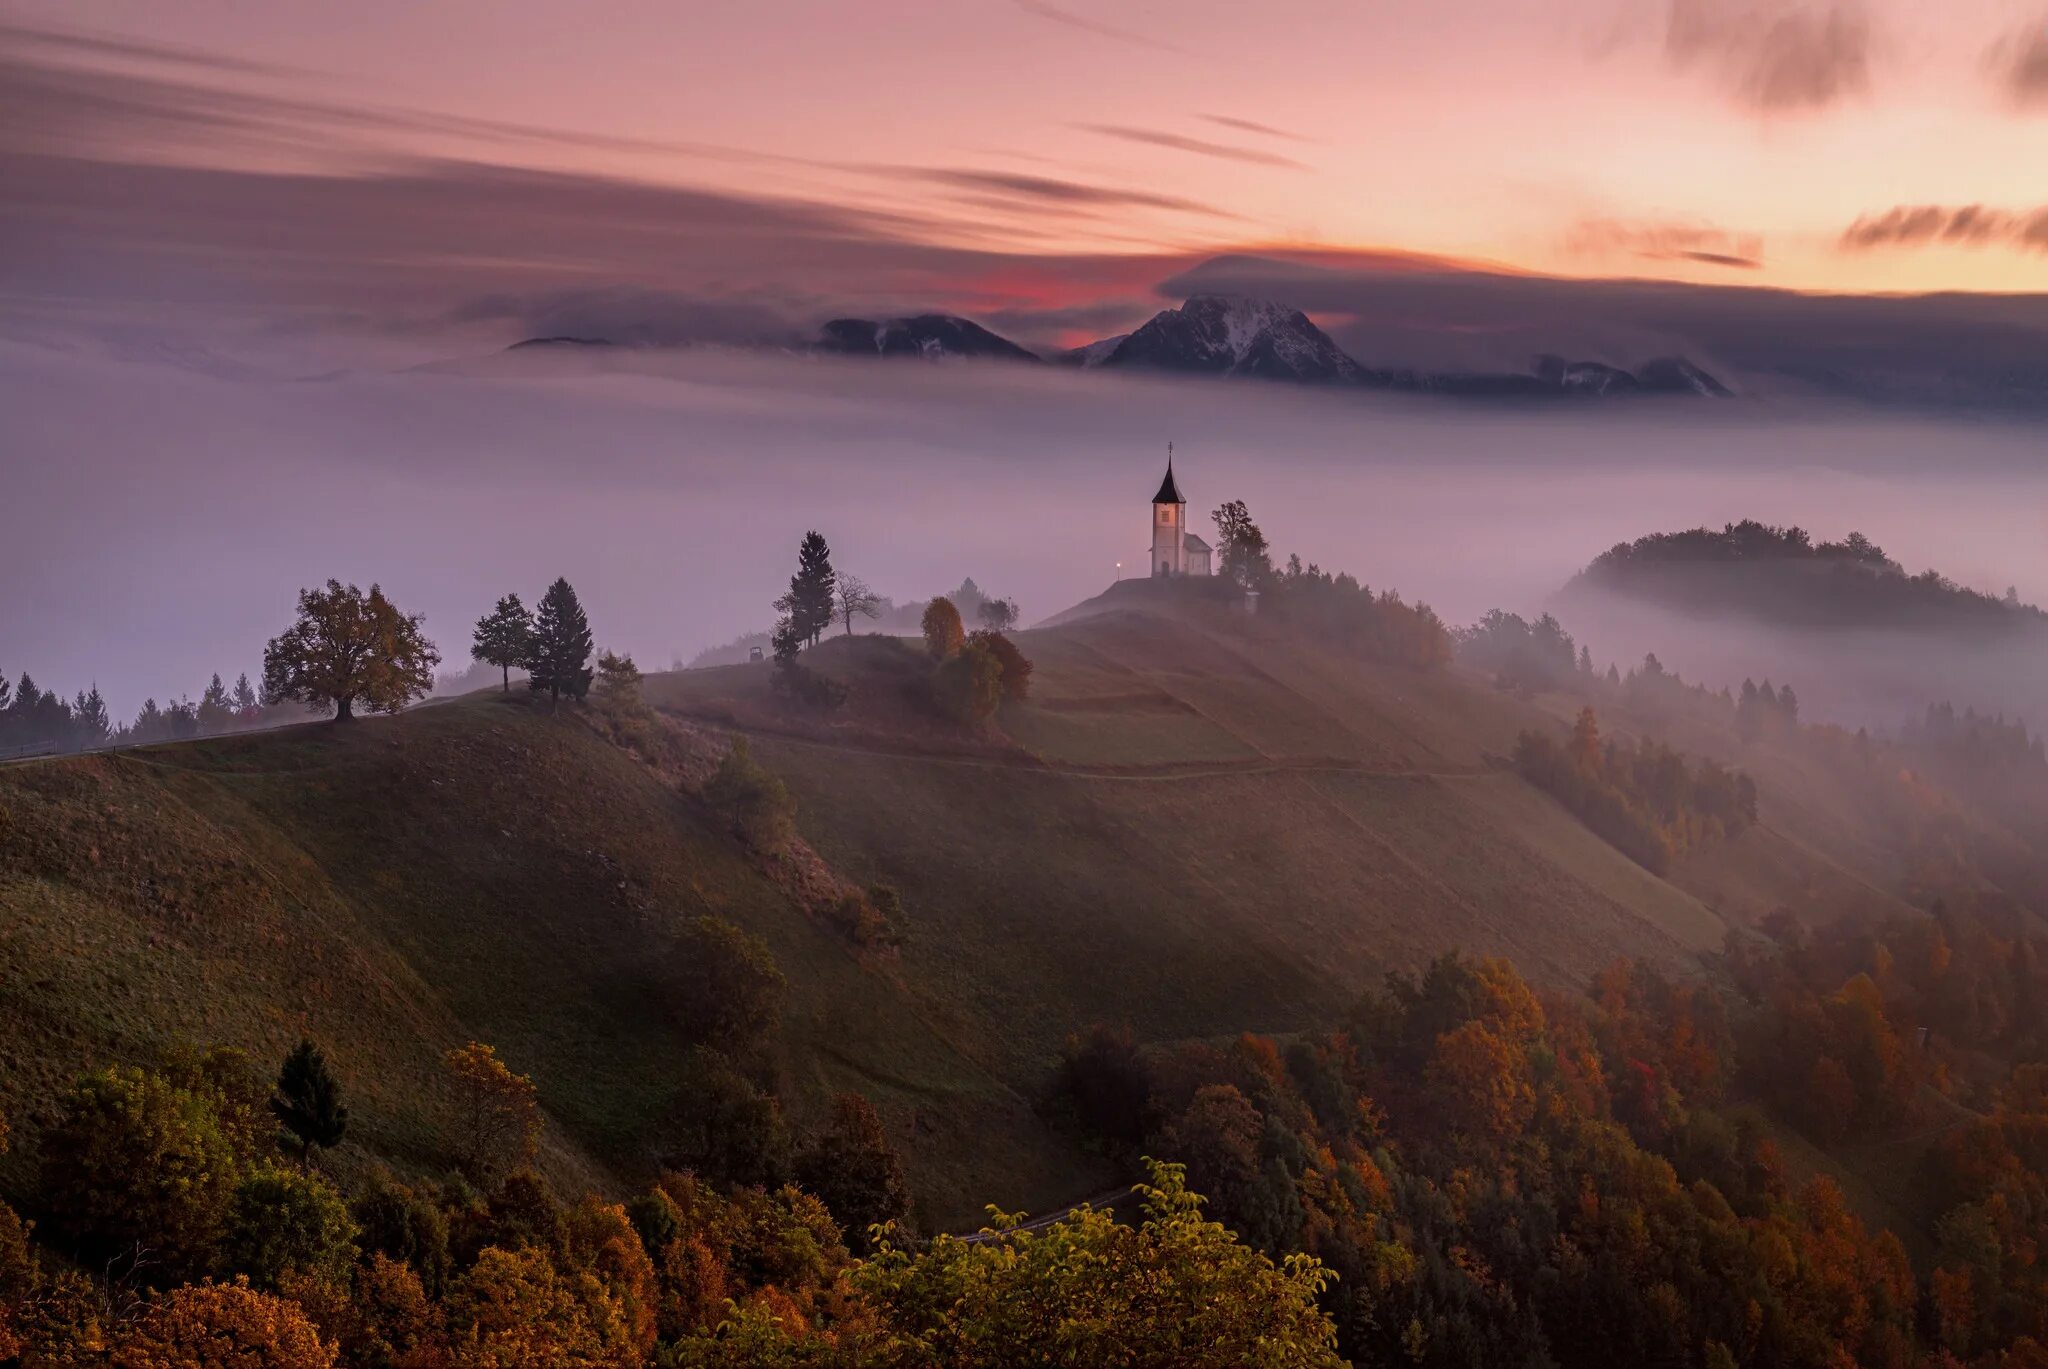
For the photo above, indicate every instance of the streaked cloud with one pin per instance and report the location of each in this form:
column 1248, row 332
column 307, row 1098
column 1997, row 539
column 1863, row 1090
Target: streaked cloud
column 1932, row 225
column 1054, row 190
column 1058, row 15
column 1664, row 240
column 1774, row 56
column 1199, row 146
column 1252, row 126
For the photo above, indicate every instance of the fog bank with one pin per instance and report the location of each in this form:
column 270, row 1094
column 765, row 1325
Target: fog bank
column 160, row 518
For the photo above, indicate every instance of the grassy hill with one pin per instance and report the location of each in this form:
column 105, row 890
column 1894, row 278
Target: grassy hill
column 399, row 886
column 1197, row 825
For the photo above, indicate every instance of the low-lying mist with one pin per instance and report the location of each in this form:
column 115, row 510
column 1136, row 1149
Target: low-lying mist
column 157, row 520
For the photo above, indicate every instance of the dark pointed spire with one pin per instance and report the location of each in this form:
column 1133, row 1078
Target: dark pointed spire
column 1169, row 493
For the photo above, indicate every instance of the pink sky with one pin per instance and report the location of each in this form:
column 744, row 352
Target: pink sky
column 1709, row 140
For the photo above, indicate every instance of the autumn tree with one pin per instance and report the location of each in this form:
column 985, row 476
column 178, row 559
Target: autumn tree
column 812, row 599
column 500, row 1111
column 307, row 1102
column 1172, row 1289
column 1015, row 668
column 852, row 1166
column 138, row 1171
column 559, row 661
column 504, row 637
column 943, row 631
column 283, row 1222
column 228, row 1324
column 969, row 683
column 349, row 647
column 856, row 600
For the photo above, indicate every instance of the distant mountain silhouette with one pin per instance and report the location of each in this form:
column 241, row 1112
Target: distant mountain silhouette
column 1237, row 337
column 923, row 335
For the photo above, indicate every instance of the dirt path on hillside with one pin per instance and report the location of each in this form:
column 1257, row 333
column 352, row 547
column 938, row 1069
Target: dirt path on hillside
column 1154, row 773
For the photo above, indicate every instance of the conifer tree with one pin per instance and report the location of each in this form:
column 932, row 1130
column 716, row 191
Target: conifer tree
column 813, row 591
column 246, row 706
column 560, row 659
column 504, row 637
column 308, row 1102
column 215, row 708
column 89, row 717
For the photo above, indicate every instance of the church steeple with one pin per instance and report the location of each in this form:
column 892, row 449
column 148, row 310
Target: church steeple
column 1169, row 516
column 1169, row 493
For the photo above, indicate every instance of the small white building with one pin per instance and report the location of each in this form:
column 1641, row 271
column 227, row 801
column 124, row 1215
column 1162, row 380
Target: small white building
column 1175, row 550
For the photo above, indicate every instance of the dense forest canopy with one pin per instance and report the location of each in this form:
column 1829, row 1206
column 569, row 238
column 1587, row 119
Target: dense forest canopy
column 1782, row 575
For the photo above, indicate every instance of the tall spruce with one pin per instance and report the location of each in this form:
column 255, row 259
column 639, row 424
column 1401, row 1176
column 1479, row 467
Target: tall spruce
column 89, row 716
column 308, row 1102
column 560, row 661
column 504, row 637
column 813, row 597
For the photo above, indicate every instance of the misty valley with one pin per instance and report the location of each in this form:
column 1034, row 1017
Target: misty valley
column 1054, row 684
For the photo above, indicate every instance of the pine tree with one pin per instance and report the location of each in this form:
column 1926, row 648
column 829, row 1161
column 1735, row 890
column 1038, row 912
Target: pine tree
column 89, row 717
column 308, row 1101
column 246, row 707
column 813, row 591
column 504, row 637
column 560, row 660
column 216, row 709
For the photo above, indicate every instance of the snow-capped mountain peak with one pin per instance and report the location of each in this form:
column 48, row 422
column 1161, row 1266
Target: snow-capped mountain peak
column 1232, row 335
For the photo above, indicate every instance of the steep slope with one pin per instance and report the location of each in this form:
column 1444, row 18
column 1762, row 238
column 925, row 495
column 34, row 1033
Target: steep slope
column 398, row 887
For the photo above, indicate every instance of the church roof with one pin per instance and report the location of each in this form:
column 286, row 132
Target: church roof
column 1169, row 493
column 1193, row 543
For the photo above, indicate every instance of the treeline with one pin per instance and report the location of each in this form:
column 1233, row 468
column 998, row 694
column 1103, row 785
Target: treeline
column 1643, row 798
column 1336, row 608
column 1524, row 657
column 34, row 720
column 1497, row 1176
column 1783, row 575
column 175, row 1231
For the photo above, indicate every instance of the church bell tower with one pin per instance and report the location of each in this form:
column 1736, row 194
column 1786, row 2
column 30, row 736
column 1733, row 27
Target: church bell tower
column 1169, row 525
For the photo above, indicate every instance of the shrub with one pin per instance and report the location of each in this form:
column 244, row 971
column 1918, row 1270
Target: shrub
column 869, row 919
column 968, row 684
column 724, row 986
column 1016, row 669
column 754, row 804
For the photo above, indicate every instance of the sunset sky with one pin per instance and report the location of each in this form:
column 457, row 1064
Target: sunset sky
column 1888, row 145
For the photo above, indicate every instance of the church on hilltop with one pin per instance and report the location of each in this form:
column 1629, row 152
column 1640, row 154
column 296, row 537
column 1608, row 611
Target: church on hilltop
column 1175, row 550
